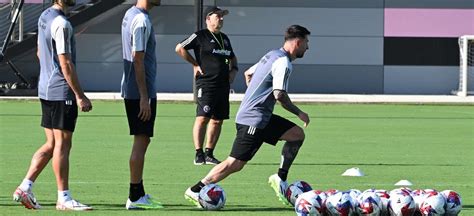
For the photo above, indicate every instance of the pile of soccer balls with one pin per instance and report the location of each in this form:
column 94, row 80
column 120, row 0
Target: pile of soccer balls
column 398, row 202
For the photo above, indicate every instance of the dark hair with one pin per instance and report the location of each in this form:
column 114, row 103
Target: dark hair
column 296, row 31
column 67, row 2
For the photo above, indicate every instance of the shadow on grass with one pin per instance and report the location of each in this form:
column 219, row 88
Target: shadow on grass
column 353, row 164
column 250, row 208
column 468, row 207
column 190, row 208
column 289, row 117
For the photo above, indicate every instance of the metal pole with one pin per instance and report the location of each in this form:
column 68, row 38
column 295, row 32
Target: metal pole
column 464, row 66
column 199, row 15
column 12, row 13
column 198, row 6
column 12, row 26
column 21, row 27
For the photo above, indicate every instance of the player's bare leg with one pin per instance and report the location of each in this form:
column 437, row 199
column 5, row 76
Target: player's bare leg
column 199, row 132
column 62, row 147
column 213, row 132
column 294, row 138
column 41, row 158
column 137, row 157
column 218, row 173
column 222, row 170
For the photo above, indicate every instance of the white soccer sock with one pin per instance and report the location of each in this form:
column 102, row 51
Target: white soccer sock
column 64, row 196
column 26, row 185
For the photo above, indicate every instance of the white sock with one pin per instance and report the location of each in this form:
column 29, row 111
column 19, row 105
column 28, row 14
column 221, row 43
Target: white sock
column 64, row 196
column 26, row 185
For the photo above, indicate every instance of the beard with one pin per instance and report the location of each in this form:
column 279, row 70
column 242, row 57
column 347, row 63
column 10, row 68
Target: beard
column 300, row 55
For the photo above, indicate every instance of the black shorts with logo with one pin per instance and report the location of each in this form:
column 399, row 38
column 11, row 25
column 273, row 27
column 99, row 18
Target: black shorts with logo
column 213, row 103
column 249, row 139
column 59, row 114
column 137, row 126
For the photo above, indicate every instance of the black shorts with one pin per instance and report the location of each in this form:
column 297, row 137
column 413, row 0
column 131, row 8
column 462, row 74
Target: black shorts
column 213, row 103
column 59, row 114
column 137, row 126
column 249, row 139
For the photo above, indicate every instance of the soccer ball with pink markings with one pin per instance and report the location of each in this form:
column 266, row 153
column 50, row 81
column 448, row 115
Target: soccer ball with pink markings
column 212, row 197
column 453, row 202
column 310, row 204
column 401, row 204
column 295, row 189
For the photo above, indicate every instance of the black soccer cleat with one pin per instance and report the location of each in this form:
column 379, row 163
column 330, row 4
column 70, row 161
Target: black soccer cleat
column 200, row 159
column 210, row 159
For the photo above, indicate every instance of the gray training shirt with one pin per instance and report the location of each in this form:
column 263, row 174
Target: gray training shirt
column 270, row 73
column 138, row 36
column 55, row 37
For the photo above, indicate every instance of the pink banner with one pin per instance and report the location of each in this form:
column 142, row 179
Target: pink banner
column 428, row 22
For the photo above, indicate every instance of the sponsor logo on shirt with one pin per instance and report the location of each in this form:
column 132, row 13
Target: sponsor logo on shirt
column 221, row 52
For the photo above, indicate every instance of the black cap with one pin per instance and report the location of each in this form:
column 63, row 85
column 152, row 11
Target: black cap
column 216, row 10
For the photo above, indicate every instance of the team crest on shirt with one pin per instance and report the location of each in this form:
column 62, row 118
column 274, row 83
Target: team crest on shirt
column 226, row 43
column 206, row 108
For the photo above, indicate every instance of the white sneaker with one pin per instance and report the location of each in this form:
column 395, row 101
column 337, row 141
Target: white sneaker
column 72, row 205
column 26, row 198
column 192, row 197
column 145, row 202
column 279, row 187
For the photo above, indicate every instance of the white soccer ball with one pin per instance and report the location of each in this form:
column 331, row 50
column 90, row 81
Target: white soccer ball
column 453, row 202
column 323, row 197
column 369, row 203
column 354, row 193
column 433, row 205
column 403, row 190
column 384, row 197
column 340, row 204
column 369, row 190
column 331, row 192
column 418, row 196
column 212, row 197
column 401, row 204
column 309, row 204
column 295, row 189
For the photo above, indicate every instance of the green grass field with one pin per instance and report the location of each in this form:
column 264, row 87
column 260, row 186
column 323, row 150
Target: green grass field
column 430, row 145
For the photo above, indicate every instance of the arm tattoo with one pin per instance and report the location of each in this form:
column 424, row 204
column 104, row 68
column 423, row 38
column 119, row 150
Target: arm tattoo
column 285, row 101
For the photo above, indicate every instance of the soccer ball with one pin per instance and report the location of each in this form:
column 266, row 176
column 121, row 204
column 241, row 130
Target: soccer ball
column 400, row 190
column 331, row 192
column 340, row 204
column 354, row 193
column 369, row 204
column 384, row 197
column 401, row 204
column 295, row 189
column 212, row 197
column 309, row 204
column 323, row 197
column 418, row 196
column 453, row 202
column 433, row 204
